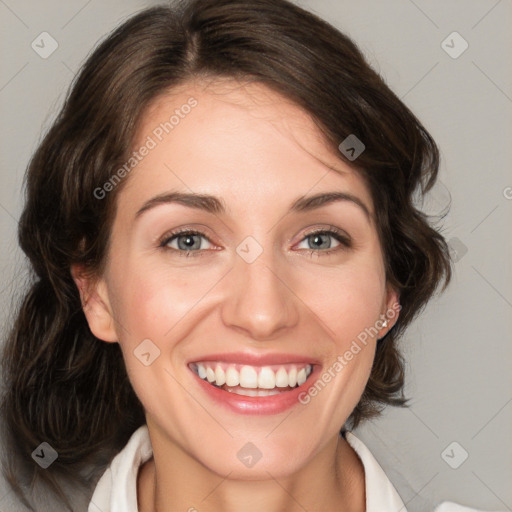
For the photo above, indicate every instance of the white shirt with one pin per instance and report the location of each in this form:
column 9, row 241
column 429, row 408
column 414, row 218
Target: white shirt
column 116, row 490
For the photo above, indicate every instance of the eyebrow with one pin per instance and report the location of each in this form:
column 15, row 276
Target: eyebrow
column 215, row 205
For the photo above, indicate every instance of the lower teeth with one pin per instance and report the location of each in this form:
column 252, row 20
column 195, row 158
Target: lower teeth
column 253, row 392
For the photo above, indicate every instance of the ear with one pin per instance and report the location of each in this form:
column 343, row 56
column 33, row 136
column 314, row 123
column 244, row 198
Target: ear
column 390, row 311
column 95, row 304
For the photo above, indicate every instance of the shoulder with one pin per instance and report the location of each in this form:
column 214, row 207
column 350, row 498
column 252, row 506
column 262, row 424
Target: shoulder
column 450, row 506
column 379, row 489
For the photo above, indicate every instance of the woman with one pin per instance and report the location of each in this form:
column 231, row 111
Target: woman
column 226, row 251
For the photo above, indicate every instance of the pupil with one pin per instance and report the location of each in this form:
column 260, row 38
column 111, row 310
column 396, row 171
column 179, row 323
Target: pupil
column 187, row 242
column 317, row 241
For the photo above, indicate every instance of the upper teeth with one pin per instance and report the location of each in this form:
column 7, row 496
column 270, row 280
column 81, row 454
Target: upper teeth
column 265, row 377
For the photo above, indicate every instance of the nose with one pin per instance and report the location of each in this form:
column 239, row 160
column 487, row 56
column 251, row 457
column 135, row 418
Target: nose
column 259, row 301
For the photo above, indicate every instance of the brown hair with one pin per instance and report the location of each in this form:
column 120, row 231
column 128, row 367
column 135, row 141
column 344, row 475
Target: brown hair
column 63, row 385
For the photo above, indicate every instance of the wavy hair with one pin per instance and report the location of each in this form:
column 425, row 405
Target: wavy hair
column 66, row 387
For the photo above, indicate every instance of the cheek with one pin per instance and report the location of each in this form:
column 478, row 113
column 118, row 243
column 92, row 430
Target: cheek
column 152, row 301
column 348, row 304
column 154, row 304
column 347, row 300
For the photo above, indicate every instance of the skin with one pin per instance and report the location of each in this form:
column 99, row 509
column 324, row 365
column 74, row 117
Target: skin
column 258, row 152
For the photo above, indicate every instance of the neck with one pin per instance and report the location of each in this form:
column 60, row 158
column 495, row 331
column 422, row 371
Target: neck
column 172, row 481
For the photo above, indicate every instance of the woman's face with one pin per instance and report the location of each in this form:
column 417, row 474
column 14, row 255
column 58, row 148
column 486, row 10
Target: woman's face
column 263, row 285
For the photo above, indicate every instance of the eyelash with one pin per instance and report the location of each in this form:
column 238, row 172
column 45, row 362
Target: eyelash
column 343, row 239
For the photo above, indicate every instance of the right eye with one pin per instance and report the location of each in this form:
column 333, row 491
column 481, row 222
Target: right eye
column 185, row 242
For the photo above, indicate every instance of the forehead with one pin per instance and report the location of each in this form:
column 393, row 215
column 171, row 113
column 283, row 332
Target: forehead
column 236, row 137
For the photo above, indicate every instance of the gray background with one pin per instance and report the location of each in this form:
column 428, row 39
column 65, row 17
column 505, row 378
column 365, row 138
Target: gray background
column 459, row 350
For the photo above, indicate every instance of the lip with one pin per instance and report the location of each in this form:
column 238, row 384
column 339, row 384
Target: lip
column 256, row 405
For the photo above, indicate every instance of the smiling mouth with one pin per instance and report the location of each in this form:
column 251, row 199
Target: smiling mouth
column 248, row 380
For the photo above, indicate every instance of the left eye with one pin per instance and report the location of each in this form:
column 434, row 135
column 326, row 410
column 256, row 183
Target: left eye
column 320, row 240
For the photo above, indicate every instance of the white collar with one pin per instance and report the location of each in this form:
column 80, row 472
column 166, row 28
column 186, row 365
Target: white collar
column 380, row 493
